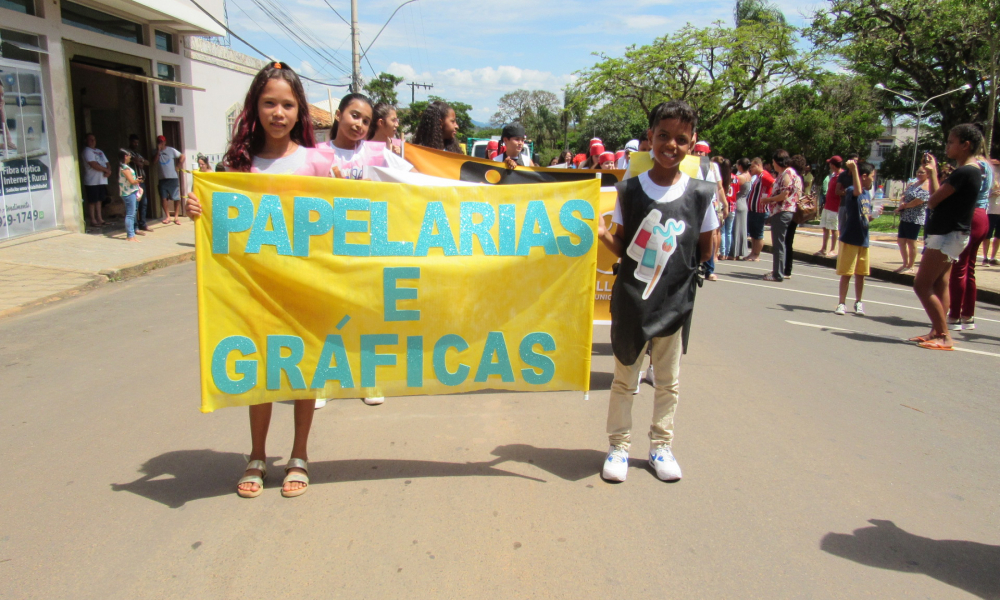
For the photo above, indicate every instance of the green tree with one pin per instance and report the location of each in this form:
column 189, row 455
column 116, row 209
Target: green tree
column 521, row 105
column 757, row 11
column 383, row 88
column 718, row 69
column 833, row 114
column 915, row 47
column 614, row 124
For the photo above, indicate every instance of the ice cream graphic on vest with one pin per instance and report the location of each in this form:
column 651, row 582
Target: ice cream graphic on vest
column 652, row 247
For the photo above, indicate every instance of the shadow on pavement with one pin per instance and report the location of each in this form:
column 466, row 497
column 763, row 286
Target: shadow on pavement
column 796, row 308
column 599, row 380
column 744, row 275
column 564, row 463
column 870, row 337
column 969, row 566
column 176, row 478
column 899, row 321
column 601, row 349
column 979, row 338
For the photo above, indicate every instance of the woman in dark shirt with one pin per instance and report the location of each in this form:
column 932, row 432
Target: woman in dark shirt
column 954, row 203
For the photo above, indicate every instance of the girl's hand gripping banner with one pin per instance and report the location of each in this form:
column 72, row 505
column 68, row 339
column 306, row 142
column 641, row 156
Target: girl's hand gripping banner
column 327, row 288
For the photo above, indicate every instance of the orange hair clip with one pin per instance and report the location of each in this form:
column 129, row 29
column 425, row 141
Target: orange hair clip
column 277, row 65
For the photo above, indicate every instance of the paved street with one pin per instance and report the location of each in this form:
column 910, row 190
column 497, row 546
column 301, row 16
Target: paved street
column 823, row 458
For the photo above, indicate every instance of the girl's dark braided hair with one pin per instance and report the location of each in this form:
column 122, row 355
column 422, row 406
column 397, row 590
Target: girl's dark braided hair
column 430, row 132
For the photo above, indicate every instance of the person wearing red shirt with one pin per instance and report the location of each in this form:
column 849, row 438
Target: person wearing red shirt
column 760, row 189
column 831, row 206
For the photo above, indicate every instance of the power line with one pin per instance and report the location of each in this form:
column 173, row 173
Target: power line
column 255, row 49
column 276, row 40
column 337, row 13
column 384, row 25
column 309, row 35
column 292, row 33
column 320, row 67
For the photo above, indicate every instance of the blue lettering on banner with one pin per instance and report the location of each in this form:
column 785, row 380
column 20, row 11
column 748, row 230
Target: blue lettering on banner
column 246, row 368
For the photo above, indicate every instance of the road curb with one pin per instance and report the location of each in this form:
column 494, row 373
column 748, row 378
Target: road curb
column 96, row 282
column 138, row 269
column 124, row 273
column 982, row 295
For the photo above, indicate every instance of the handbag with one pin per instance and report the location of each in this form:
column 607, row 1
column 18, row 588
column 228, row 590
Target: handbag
column 805, row 209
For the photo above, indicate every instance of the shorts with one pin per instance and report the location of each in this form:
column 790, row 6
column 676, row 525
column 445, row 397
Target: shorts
column 829, row 220
column 93, row 194
column 755, row 225
column 950, row 244
column 852, row 260
column 170, row 189
column 994, row 230
column 908, row 231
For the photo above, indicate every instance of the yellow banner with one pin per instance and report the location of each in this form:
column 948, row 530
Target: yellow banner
column 312, row 287
column 605, row 262
column 640, row 162
column 469, row 168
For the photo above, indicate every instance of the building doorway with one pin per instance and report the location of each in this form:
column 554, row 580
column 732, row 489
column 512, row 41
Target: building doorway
column 111, row 108
column 172, row 131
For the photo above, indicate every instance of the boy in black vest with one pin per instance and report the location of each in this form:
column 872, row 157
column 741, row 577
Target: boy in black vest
column 665, row 231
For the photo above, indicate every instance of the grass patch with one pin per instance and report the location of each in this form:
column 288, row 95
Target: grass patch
column 884, row 224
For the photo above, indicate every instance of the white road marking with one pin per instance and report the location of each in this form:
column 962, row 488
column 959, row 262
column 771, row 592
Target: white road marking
column 867, row 285
column 879, row 335
column 788, row 289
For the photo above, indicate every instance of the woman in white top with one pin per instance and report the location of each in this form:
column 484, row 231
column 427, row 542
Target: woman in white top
column 353, row 155
column 348, row 139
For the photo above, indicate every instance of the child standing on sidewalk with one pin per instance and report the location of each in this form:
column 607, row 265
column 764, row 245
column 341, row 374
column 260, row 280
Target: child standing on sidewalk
column 665, row 228
column 852, row 258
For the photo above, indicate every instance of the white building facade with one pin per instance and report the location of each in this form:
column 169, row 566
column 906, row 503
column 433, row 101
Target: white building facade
column 69, row 68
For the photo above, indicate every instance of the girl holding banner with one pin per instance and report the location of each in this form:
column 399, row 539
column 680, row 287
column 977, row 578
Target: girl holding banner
column 273, row 134
column 437, row 128
column 352, row 153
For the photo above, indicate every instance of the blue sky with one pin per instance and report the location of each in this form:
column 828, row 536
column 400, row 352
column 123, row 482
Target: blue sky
column 472, row 51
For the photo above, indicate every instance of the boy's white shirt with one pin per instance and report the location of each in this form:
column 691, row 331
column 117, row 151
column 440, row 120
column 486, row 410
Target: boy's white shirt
column 665, row 194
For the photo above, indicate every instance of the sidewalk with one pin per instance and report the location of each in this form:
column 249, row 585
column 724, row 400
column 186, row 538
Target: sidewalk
column 53, row 265
column 884, row 258
column 49, row 266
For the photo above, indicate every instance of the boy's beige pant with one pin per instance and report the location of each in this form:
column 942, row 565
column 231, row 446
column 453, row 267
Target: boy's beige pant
column 666, row 360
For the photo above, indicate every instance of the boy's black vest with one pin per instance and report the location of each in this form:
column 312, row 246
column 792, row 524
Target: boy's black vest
column 635, row 321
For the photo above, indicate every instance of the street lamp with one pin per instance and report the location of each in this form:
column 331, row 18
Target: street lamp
column 920, row 116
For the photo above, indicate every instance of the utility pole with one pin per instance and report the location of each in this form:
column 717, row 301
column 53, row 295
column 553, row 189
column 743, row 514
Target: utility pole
column 355, row 49
column 413, row 89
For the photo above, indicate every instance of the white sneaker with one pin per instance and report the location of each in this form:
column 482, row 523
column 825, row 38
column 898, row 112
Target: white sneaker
column 969, row 325
column 663, row 462
column 648, row 376
column 955, row 325
column 859, row 309
column 616, row 465
column 841, row 310
column 374, row 400
column 320, row 403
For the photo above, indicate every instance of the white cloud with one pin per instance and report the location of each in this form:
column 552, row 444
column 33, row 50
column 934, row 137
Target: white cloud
column 645, row 21
column 484, row 81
